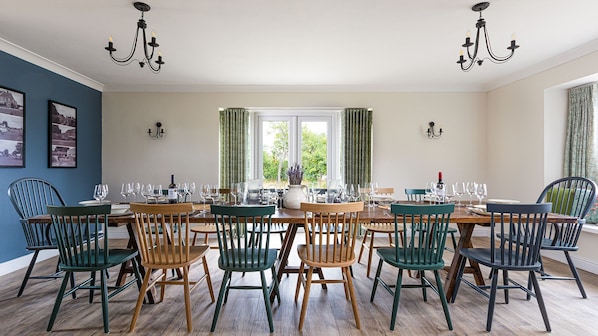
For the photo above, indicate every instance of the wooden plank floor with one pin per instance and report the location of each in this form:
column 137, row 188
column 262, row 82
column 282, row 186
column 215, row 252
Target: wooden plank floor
column 328, row 312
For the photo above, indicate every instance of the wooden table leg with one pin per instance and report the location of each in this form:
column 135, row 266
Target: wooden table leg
column 466, row 231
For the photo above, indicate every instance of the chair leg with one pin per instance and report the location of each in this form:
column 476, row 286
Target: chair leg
column 92, row 285
column 223, row 290
column 492, row 301
column 58, row 301
column 395, row 304
column 575, row 275
column 28, row 273
column 310, row 273
column 447, row 314
column 352, row 297
column 187, row 298
column 460, row 271
column 144, row 285
column 104, row 290
column 300, row 279
column 376, row 280
column 363, row 242
column 540, row 300
column 276, row 288
column 505, row 279
column 267, row 300
column 370, row 253
column 422, row 276
column 208, row 278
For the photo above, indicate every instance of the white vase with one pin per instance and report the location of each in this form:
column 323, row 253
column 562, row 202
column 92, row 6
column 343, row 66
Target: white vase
column 296, row 194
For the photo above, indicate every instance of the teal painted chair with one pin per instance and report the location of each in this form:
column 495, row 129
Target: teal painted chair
column 30, row 196
column 77, row 230
column 423, row 239
column 242, row 254
column 572, row 196
column 417, row 195
column 522, row 227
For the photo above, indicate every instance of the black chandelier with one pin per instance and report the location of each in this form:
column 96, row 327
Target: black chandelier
column 142, row 7
column 473, row 57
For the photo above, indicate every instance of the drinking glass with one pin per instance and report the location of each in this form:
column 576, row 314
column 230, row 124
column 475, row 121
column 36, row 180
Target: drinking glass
column 449, row 195
column 459, row 191
column 135, row 190
column 124, row 190
column 100, row 192
column 147, row 191
column 182, row 191
column 158, row 193
column 471, row 188
column 481, row 192
column 204, row 193
column 215, row 193
column 191, row 191
column 431, row 191
column 372, row 191
column 234, row 192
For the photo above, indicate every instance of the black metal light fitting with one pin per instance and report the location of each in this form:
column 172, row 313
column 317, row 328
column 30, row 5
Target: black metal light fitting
column 158, row 134
column 432, row 133
column 473, row 57
column 141, row 25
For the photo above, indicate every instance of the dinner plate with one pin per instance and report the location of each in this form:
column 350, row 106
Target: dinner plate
column 94, row 202
column 502, row 201
column 119, row 209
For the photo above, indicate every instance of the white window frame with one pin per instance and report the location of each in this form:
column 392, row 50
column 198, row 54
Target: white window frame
column 295, row 116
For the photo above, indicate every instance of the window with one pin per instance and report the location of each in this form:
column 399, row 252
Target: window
column 283, row 137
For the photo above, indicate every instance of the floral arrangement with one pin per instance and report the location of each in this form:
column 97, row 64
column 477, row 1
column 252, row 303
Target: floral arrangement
column 295, row 173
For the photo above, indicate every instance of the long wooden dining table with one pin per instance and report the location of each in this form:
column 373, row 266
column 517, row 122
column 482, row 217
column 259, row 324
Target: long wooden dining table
column 465, row 219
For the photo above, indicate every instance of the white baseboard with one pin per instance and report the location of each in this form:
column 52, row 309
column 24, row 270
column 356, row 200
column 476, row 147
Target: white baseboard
column 22, row 262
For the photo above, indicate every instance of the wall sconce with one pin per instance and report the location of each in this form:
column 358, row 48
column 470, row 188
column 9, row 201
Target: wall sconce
column 158, row 134
column 432, row 133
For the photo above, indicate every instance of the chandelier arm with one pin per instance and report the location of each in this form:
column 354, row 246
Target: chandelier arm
column 154, row 70
column 493, row 58
column 148, row 56
column 129, row 58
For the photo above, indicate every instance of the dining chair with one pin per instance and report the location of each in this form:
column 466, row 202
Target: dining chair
column 423, row 239
column 417, row 195
column 572, row 196
column 238, row 253
column 82, row 249
column 370, row 230
column 522, row 227
column 30, row 196
column 163, row 238
column 330, row 233
column 209, row 229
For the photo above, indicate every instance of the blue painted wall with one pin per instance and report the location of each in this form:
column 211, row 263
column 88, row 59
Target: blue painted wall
column 75, row 184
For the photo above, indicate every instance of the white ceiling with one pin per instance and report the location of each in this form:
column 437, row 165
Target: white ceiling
column 301, row 45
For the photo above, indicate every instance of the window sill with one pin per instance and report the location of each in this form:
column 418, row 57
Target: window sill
column 590, row 228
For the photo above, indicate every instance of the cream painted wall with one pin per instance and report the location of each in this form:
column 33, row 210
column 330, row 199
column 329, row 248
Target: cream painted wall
column 526, row 119
column 403, row 156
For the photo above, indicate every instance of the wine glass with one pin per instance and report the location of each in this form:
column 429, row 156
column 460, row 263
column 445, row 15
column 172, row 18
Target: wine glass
column 481, row 192
column 215, row 193
column 158, row 193
column 100, row 192
column 449, row 195
column 135, row 190
column 124, row 190
column 204, row 193
column 471, row 188
column 147, row 191
column 372, row 191
column 459, row 191
column 191, row 190
column 234, row 190
column 431, row 191
column 182, row 191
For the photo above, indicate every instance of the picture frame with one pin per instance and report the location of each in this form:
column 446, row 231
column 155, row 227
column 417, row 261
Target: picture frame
column 62, row 152
column 12, row 128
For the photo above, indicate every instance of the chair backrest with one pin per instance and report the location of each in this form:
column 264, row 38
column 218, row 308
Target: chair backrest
column 572, row 196
column 415, row 195
column 331, row 224
column 235, row 243
column 424, row 233
column 79, row 231
column 522, row 228
column 162, row 232
column 30, row 196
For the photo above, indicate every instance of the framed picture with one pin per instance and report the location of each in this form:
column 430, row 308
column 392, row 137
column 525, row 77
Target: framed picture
column 63, row 135
column 12, row 128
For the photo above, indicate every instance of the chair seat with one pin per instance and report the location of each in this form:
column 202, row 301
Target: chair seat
column 381, row 228
column 115, row 257
column 484, row 257
column 166, row 258
column 204, row 228
column 247, row 260
column 389, row 255
column 323, row 257
column 549, row 244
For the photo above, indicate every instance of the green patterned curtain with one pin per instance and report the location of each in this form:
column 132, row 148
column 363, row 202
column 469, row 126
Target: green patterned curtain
column 356, row 144
column 234, row 142
column 581, row 141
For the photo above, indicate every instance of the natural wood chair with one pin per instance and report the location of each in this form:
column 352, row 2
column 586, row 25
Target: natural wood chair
column 370, row 229
column 163, row 233
column 30, row 196
column 77, row 230
column 330, row 234
column 239, row 253
column 424, row 237
column 207, row 229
